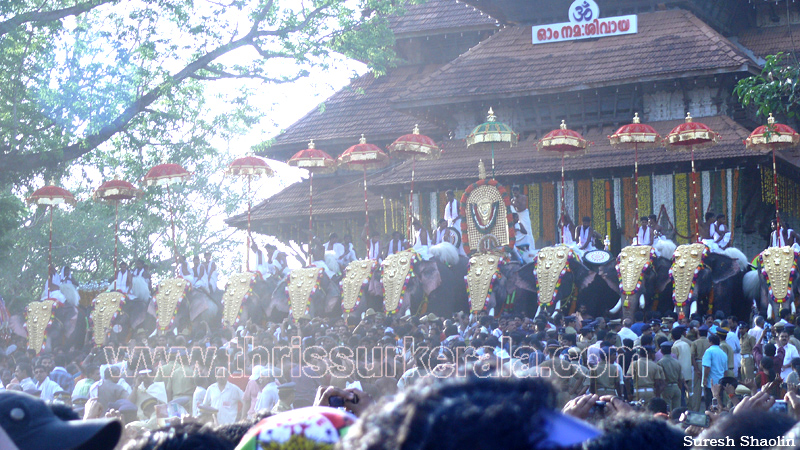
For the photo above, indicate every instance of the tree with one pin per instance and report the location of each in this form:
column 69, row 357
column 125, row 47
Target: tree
column 76, row 74
column 774, row 90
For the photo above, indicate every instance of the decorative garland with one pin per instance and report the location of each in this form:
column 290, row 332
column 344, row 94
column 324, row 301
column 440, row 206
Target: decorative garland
column 792, row 276
column 599, row 206
column 102, row 297
column 186, row 288
column 690, row 296
column 55, row 304
column 496, row 275
column 506, row 200
column 534, row 207
column 364, row 283
column 640, row 278
column 584, row 200
column 484, row 228
column 570, row 256
column 231, row 292
column 682, row 207
column 549, row 218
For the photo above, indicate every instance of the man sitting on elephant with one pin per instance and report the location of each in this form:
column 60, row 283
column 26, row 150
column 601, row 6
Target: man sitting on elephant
column 52, row 286
column 123, row 280
column 141, row 284
column 69, row 286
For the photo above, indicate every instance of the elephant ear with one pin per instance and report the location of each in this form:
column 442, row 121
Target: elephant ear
column 429, row 276
column 608, row 273
column 722, row 267
column 583, row 276
column 525, row 279
column 660, row 270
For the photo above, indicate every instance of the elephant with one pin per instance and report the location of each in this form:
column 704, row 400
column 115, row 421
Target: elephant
column 325, row 301
column 642, row 284
column 772, row 284
column 705, row 281
column 197, row 306
column 67, row 330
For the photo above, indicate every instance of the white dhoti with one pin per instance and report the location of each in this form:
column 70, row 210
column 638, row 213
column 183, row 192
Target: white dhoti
column 70, row 293
column 140, row 289
column 323, row 266
column 423, row 252
column 525, row 220
column 713, row 246
column 55, row 295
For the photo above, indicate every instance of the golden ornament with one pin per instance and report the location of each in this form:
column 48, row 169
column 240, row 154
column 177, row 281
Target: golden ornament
column 170, row 293
column 355, row 274
column 687, row 259
column 106, row 305
column 238, row 287
column 549, row 264
column 301, row 285
column 777, row 263
column 482, row 268
column 396, row 268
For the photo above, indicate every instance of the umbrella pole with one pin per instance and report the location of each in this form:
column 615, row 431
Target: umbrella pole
column 366, row 204
column 694, row 199
column 50, row 248
column 563, row 200
column 411, row 198
column 172, row 224
column 249, row 204
column 493, row 160
column 310, row 212
column 636, row 180
column 775, row 186
column 116, row 227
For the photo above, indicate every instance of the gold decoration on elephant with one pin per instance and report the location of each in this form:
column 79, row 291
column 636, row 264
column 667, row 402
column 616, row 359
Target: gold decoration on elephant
column 170, row 294
column 776, row 264
column 686, row 263
column 396, row 270
column 482, row 270
column 105, row 307
column 551, row 264
column 38, row 316
column 302, row 284
column 486, row 203
column 632, row 261
column 357, row 273
column 238, row 288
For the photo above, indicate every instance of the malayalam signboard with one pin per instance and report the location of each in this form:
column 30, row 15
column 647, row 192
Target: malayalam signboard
column 584, row 23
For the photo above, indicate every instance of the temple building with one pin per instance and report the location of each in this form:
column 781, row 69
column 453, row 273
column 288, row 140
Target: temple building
column 536, row 63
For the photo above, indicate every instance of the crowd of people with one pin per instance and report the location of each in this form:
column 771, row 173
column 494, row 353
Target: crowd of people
column 467, row 381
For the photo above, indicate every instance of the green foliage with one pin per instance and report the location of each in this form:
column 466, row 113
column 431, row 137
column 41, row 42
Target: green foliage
column 775, row 90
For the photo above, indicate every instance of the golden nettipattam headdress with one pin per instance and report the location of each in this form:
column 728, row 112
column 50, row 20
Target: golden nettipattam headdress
column 38, row 316
column 356, row 277
column 396, row 271
column 550, row 266
column 239, row 287
column 632, row 263
column 105, row 307
column 301, row 286
column 488, row 223
column 687, row 261
column 483, row 270
column 779, row 267
column 171, row 293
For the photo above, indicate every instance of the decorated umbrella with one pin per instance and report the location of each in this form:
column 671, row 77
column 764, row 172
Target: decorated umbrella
column 636, row 135
column 768, row 138
column 414, row 146
column 490, row 133
column 51, row 196
column 116, row 191
column 249, row 166
column 568, row 143
column 692, row 136
column 315, row 161
column 364, row 156
column 167, row 174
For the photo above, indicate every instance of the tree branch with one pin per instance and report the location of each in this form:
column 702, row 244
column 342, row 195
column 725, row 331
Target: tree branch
column 47, row 16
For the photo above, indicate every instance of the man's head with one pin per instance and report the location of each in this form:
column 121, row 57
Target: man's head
column 644, row 221
column 721, row 219
column 449, row 194
column 196, row 260
column 587, row 221
column 515, row 190
column 714, row 339
column 442, row 224
column 783, row 338
column 23, row 371
column 40, row 373
column 207, row 256
column 333, row 238
column 710, row 216
column 123, row 266
column 47, row 362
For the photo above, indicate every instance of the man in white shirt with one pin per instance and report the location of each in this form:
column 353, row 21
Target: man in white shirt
column 268, row 397
column 223, row 398
column 644, row 235
column 440, row 232
column 790, row 352
column 682, row 351
column 24, row 375
column 333, row 245
column 48, row 387
column 451, row 214
column 625, row 332
column 758, row 327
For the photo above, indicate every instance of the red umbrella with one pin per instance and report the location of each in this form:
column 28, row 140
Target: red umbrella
column 116, row 191
column 165, row 175
column 566, row 142
column 692, row 136
column 315, row 161
column 51, row 195
column 636, row 135
column 768, row 138
column 364, row 156
column 249, row 166
column 414, row 146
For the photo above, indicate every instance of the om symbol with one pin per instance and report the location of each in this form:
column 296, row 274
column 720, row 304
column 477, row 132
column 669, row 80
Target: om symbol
column 583, row 11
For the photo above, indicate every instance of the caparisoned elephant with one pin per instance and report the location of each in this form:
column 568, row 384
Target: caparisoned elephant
column 707, row 282
column 773, row 281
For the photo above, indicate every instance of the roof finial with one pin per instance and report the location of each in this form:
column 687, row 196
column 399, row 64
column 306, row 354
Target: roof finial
column 416, row 129
column 636, row 118
column 770, row 120
column 688, row 117
column 310, row 143
column 563, row 124
column 491, row 117
column 363, row 140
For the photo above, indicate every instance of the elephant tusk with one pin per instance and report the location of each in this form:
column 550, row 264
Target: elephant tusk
column 793, row 307
column 558, row 305
column 692, row 309
column 769, row 311
column 491, row 312
column 641, row 301
column 616, row 307
column 538, row 310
